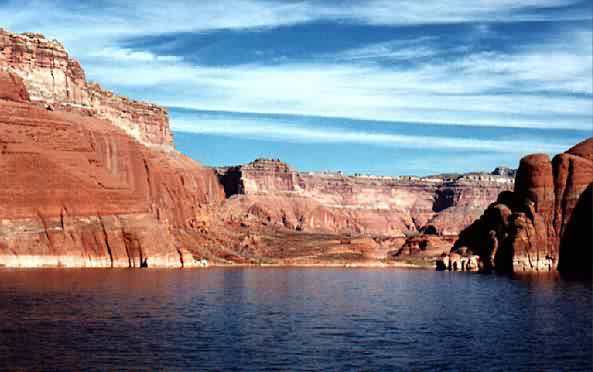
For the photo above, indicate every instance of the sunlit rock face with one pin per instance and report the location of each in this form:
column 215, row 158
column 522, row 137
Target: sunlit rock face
column 55, row 79
column 530, row 223
column 92, row 179
column 12, row 88
column 79, row 191
column 272, row 191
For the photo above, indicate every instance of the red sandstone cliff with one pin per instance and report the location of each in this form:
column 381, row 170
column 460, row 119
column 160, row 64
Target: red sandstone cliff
column 78, row 191
column 522, row 230
column 371, row 205
column 385, row 215
column 89, row 178
column 53, row 78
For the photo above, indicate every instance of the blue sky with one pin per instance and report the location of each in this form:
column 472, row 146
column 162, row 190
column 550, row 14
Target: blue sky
column 382, row 86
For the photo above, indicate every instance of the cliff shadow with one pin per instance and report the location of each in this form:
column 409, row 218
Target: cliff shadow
column 576, row 245
column 231, row 181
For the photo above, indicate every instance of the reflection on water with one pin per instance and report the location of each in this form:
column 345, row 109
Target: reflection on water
column 291, row 319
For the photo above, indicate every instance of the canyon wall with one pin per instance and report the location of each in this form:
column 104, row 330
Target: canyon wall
column 57, row 81
column 534, row 228
column 272, row 191
column 79, row 191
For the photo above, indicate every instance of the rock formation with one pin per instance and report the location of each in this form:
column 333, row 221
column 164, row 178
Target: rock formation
column 576, row 244
column 55, row 80
column 504, row 171
column 77, row 190
column 393, row 218
column 12, row 88
column 372, row 205
column 530, row 223
column 424, row 245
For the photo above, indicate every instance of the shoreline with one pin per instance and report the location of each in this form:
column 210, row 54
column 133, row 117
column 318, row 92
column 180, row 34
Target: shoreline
column 238, row 265
column 330, row 266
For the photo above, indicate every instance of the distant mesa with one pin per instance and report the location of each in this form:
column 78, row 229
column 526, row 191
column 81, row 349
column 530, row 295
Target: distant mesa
column 331, row 202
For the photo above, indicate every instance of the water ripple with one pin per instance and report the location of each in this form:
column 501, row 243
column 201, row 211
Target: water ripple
column 292, row 319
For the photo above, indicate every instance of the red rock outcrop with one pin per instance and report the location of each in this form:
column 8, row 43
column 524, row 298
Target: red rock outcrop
column 410, row 219
column 273, row 192
column 12, row 89
column 79, row 191
column 55, row 79
column 573, row 173
column 529, row 223
column 424, row 245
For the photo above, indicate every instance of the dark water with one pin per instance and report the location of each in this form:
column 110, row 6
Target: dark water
column 292, row 319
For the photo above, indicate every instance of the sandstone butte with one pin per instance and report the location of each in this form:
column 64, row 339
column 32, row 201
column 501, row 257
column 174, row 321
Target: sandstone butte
column 545, row 223
column 92, row 179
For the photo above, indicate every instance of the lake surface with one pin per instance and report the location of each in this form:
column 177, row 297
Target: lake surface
column 292, row 319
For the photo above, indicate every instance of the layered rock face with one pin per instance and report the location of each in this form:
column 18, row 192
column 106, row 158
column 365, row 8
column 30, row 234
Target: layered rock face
column 522, row 230
column 78, row 191
column 12, row 88
column 271, row 191
column 53, row 78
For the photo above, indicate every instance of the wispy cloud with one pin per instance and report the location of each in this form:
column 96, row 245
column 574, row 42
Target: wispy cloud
column 124, row 54
column 546, row 86
column 560, row 65
column 115, row 19
column 111, row 18
column 407, row 49
column 451, row 11
column 289, row 132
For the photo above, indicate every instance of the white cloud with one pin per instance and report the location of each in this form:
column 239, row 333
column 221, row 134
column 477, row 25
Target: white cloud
column 458, row 91
column 562, row 65
column 100, row 22
column 124, row 54
column 79, row 23
column 450, row 11
column 278, row 131
column 397, row 50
